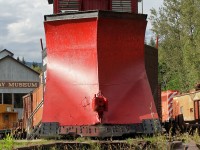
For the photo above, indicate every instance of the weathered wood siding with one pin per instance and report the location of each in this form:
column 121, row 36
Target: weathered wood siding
column 10, row 70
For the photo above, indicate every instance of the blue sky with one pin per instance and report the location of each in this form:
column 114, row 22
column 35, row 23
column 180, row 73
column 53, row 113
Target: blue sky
column 21, row 25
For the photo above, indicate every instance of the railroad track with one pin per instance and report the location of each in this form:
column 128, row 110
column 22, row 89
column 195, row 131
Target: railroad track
column 112, row 145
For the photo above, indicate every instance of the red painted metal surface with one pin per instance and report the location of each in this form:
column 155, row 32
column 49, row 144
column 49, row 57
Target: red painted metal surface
column 135, row 6
column 122, row 75
column 86, row 56
column 72, row 73
column 95, row 4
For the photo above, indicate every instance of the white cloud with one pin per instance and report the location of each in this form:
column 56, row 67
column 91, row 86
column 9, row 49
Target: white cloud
column 21, row 26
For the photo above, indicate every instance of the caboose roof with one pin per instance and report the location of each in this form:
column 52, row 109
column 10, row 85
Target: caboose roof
column 93, row 14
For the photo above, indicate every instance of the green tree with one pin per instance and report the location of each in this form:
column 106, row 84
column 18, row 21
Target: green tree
column 36, row 67
column 34, row 64
column 178, row 25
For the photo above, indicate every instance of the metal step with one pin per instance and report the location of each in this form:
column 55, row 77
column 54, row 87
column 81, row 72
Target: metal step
column 35, row 133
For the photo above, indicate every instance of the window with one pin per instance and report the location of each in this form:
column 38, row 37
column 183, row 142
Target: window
column 18, row 100
column 7, row 98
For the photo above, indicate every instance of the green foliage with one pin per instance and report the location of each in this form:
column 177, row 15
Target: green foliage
column 196, row 136
column 7, row 143
column 81, row 139
column 36, row 67
column 156, row 142
column 95, row 145
column 159, row 140
column 178, row 25
column 34, row 64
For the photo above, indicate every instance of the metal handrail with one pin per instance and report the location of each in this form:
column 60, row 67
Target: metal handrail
column 36, row 109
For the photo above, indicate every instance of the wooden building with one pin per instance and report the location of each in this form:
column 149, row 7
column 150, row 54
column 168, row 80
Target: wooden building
column 16, row 80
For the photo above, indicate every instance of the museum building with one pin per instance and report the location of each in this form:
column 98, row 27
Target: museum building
column 16, row 80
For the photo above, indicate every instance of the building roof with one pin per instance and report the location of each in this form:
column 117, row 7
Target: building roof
column 9, row 57
column 5, row 50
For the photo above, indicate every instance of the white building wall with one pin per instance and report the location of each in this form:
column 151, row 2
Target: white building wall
column 10, row 70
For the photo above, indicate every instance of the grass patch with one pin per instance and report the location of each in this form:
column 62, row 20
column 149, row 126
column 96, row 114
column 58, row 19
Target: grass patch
column 9, row 143
column 157, row 142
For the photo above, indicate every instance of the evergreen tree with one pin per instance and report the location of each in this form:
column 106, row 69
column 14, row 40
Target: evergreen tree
column 23, row 61
column 178, row 25
column 36, row 67
column 34, row 64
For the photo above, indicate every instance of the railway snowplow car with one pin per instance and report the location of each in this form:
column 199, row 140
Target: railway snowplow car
column 96, row 79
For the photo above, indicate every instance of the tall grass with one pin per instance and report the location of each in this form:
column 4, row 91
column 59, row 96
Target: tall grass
column 7, row 143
